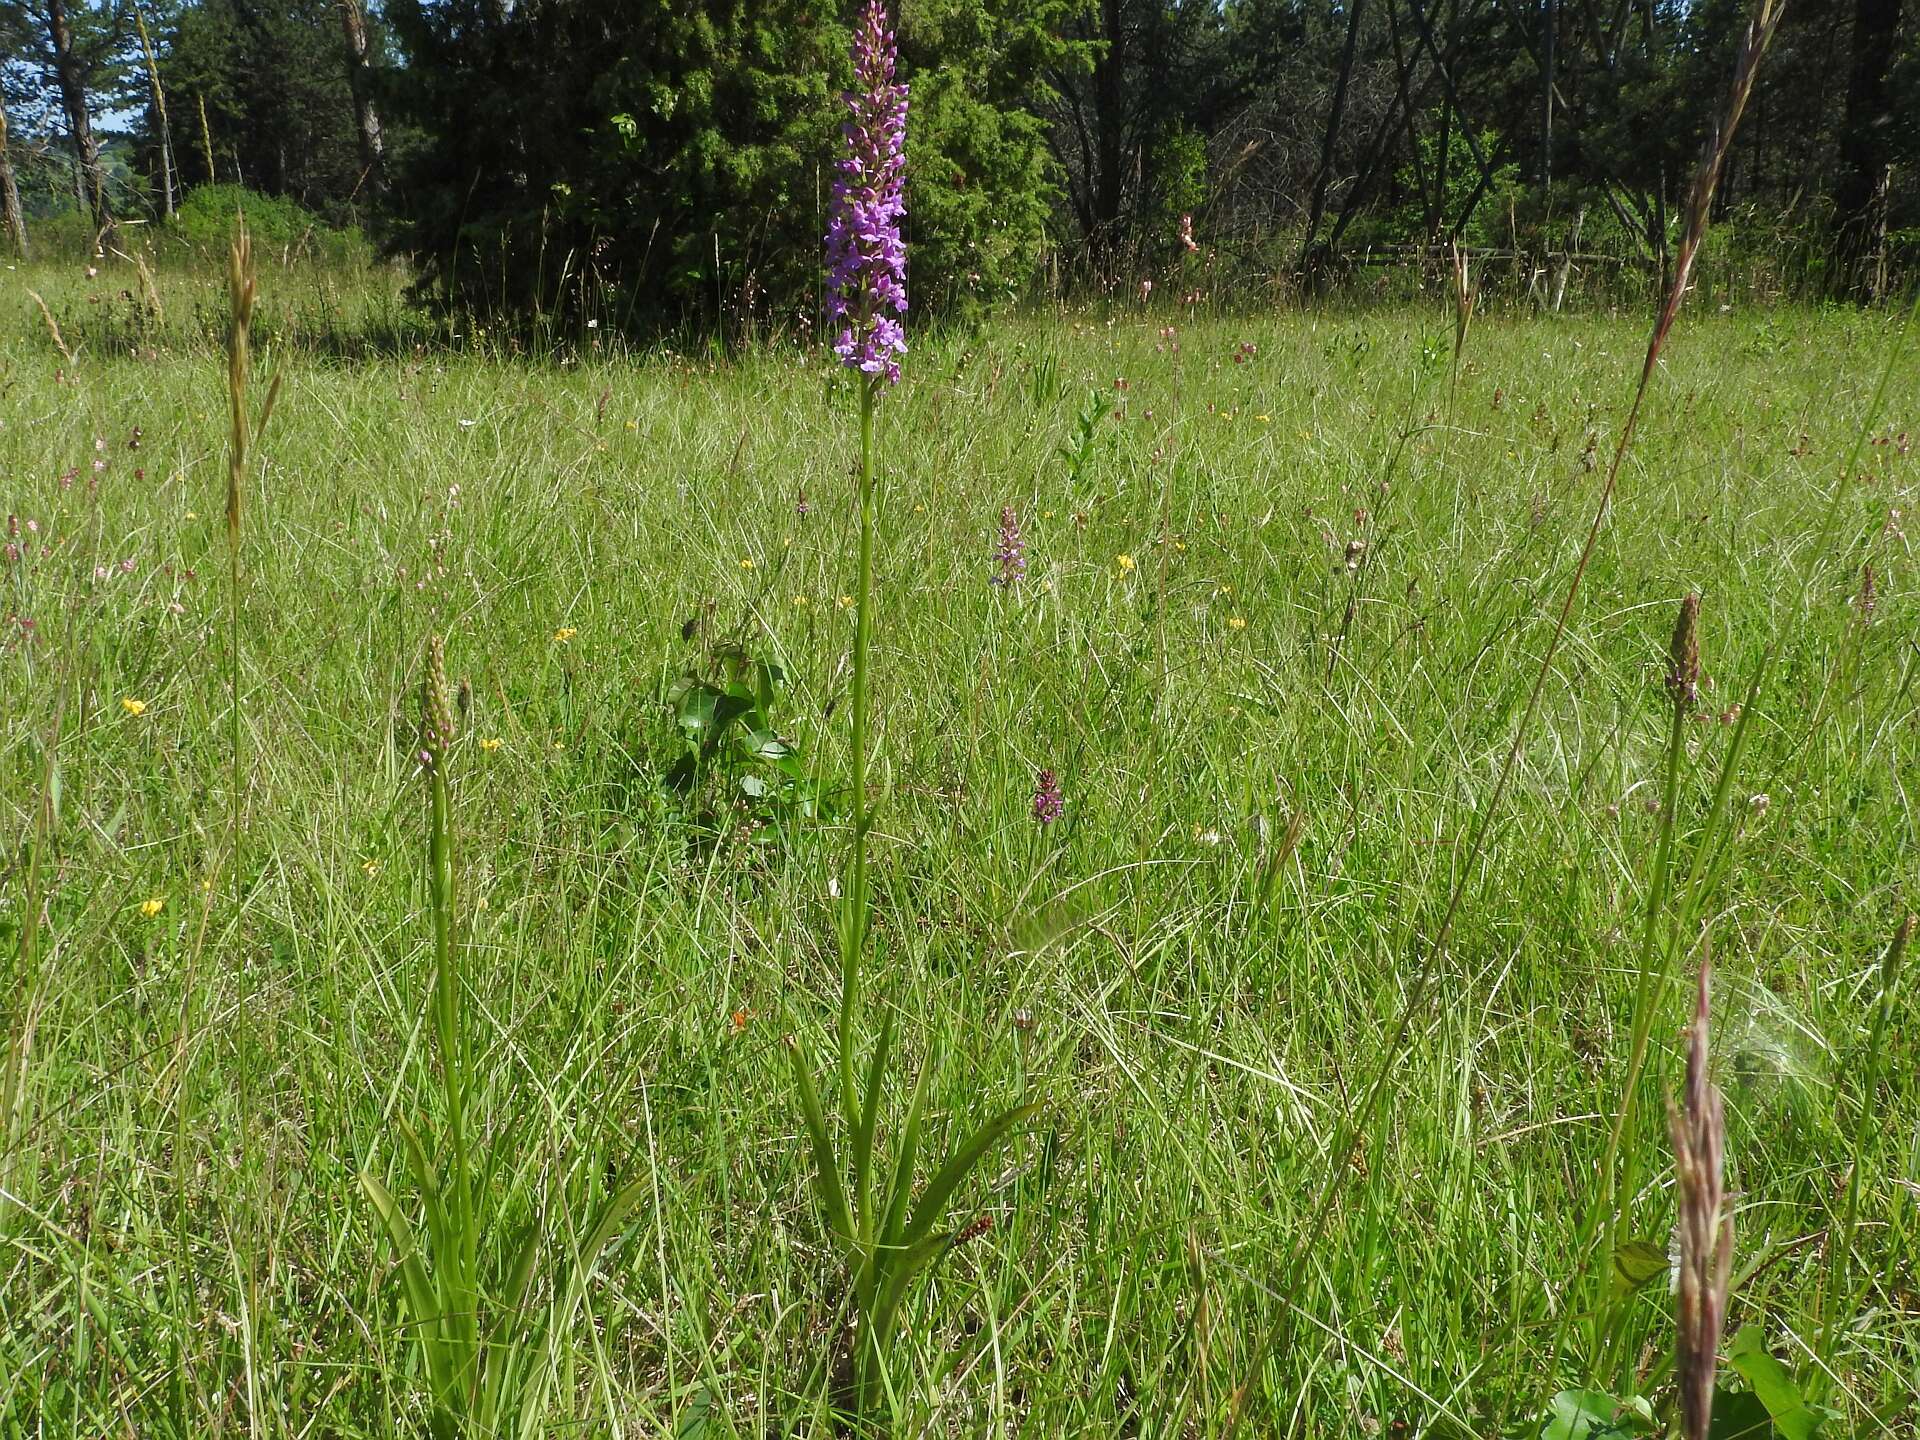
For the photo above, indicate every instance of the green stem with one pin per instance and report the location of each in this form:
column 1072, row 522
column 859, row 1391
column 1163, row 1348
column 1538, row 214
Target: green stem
column 447, row 1025
column 858, row 918
column 1652, row 986
column 1605, row 1206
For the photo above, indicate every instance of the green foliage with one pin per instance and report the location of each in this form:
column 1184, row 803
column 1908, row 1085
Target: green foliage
column 1595, row 1415
column 635, row 163
column 981, row 178
column 735, row 761
column 1773, row 1385
column 661, row 165
column 885, row 1235
column 1196, row 1016
column 1079, row 449
column 279, row 113
column 280, row 226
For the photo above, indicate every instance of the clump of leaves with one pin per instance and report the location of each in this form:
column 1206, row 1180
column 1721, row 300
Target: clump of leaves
column 734, row 766
column 1078, row 450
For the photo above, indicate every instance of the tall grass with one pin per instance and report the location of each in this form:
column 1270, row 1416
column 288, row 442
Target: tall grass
column 1196, row 970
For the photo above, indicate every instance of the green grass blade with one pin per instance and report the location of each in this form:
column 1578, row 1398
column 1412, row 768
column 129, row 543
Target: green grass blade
column 862, row 1145
column 933, row 1200
column 418, row 1287
column 833, row 1195
column 901, row 1191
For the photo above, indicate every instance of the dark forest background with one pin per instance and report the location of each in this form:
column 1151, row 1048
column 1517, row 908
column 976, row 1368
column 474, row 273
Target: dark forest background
column 668, row 161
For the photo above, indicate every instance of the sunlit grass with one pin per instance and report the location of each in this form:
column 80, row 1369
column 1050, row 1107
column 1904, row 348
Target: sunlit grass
column 1188, row 986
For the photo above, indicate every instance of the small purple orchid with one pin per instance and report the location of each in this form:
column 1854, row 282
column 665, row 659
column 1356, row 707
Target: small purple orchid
column 1010, row 556
column 866, row 257
column 1048, row 802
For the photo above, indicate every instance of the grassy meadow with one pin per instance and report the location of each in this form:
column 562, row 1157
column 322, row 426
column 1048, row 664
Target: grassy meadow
column 1287, row 586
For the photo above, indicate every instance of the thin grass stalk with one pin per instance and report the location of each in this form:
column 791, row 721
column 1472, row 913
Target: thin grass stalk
column 1464, row 299
column 1836, row 1284
column 1765, row 16
column 436, row 736
column 27, row 984
column 857, row 919
column 1683, row 680
column 240, row 281
column 167, row 176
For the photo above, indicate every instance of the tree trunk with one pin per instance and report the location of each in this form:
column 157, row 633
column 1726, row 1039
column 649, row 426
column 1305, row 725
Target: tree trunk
column 1317, row 206
column 1108, row 89
column 1864, row 138
column 71, row 77
column 16, row 218
column 373, row 148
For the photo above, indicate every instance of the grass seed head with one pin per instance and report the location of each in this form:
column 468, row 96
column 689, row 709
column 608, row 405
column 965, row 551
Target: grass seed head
column 1896, row 953
column 436, row 708
column 1705, row 1228
column 1683, row 655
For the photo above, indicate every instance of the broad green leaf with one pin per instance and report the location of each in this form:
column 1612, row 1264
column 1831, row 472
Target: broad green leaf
column 414, row 1282
column 1791, row 1414
column 441, row 1243
column 765, row 745
column 1637, row 1264
column 692, row 1424
column 1739, row 1415
column 521, row 1275
column 1595, row 1415
column 901, row 1191
column 863, row 1135
column 612, row 1221
column 767, row 680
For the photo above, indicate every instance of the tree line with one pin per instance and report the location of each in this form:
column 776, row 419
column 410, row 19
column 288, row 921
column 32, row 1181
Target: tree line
column 671, row 161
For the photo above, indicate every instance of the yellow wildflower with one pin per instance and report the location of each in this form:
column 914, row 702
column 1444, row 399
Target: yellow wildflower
column 370, row 868
column 746, row 562
column 490, row 744
column 134, row 707
column 799, row 600
column 846, row 602
column 1125, row 563
column 153, row 907
column 564, row 634
column 1236, row 622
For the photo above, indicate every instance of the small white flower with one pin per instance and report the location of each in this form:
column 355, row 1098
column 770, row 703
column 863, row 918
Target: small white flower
column 833, row 888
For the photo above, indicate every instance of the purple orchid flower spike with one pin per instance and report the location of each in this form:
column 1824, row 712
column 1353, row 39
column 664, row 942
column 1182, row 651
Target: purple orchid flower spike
column 866, row 256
